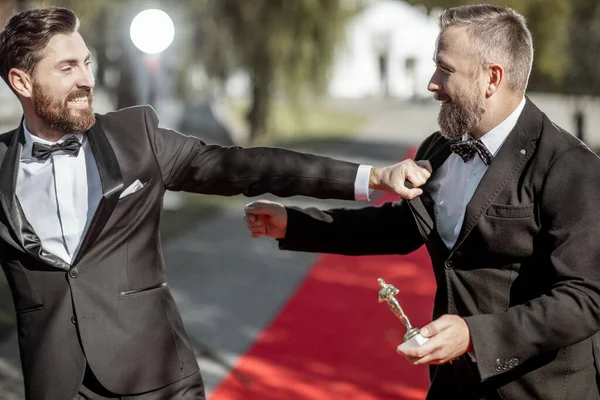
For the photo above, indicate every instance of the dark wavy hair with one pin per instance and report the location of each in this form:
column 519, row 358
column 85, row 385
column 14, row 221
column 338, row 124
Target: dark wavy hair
column 26, row 35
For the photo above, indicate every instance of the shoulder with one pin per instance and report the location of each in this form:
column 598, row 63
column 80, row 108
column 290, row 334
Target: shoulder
column 557, row 143
column 6, row 137
column 563, row 162
column 551, row 140
column 135, row 115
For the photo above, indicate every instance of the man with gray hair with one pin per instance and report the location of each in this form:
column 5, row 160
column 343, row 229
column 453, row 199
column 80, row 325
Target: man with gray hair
column 508, row 216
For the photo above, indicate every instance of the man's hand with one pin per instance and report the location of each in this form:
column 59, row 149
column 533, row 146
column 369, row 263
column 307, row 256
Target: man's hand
column 449, row 338
column 391, row 178
column 266, row 218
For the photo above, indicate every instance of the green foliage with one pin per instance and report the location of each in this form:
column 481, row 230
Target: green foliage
column 549, row 23
column 286, row 47
column 297, row 37
column 85, row 10
column 584, row 48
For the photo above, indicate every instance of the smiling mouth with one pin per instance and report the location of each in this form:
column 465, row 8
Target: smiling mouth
column 80, row 102
column 443, row 100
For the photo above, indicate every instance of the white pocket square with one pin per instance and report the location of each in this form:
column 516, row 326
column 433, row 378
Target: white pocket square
column 131, row 189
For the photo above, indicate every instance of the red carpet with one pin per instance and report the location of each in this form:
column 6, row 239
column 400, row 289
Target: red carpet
column 333, row 340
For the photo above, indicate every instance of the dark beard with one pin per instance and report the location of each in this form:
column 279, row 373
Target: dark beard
column 463, row 115
column 57, row 116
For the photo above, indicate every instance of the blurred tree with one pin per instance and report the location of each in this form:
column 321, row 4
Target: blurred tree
column 285, row 47
column 584, row 49
column 549, row 22
column 7, row 10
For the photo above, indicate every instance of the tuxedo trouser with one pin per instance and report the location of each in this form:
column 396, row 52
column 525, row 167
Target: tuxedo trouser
column 189, row 388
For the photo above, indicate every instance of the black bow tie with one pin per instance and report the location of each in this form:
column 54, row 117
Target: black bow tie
column 466, row 149
column 42, row 151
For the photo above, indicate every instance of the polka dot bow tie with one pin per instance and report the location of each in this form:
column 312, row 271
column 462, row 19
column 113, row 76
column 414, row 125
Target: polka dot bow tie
column 467, row 149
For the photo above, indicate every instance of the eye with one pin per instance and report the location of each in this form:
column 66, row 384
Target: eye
column 67, row 69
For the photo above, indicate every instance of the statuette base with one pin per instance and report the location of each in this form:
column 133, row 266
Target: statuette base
column 414, row 341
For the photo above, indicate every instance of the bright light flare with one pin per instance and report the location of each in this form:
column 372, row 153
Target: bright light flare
column 152, row 31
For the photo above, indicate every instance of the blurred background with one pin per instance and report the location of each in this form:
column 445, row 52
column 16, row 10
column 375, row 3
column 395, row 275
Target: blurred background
column 344, row 78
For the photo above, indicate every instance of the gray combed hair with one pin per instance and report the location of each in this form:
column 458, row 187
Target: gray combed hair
column 498, row 35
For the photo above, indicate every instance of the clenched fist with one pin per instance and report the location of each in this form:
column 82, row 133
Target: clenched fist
column 392, row 178
column 266, row 218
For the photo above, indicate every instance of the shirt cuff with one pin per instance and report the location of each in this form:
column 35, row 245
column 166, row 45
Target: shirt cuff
column 361, row 184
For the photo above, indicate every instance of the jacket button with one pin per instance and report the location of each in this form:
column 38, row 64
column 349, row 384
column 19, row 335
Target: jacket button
column 73, row 320
column 74, row 273
column 498, row 368
column 448, row 264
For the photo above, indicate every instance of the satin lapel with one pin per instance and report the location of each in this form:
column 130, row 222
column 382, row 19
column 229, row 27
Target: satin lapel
column 509, row 161
column 22, row 231
column 112, row 186
column 8, row 180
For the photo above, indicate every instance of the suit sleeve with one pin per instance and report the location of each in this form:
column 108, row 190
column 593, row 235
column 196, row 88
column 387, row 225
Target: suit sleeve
column 188, row 164
column 569, row 311
column 389, row 229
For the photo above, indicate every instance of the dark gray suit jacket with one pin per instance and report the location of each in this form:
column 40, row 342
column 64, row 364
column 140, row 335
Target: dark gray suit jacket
column 524, row 270
column 112, row 306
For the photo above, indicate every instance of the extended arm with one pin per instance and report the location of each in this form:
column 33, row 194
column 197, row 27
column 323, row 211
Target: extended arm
column 188, row 164
column 389, row 229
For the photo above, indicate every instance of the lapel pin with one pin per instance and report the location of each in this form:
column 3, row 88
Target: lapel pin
column 522, row 151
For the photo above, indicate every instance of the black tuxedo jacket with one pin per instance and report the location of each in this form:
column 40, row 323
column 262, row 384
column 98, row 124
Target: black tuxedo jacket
column 112, row 306
column 524, row 271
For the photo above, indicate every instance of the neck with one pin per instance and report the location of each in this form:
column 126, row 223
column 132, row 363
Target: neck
column 38, row 128
column 497, row 112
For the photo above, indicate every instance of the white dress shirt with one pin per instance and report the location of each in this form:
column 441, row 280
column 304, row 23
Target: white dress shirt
column 361, row 184
column 455, row 181
column 59, row 196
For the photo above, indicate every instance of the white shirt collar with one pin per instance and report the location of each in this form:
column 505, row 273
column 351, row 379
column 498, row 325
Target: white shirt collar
column 494, row 139
column 30, row 139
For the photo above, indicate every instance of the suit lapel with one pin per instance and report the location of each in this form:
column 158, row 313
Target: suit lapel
column 422, row 206
column 510, row 159
column 112, row 187
column 22, row 231
column 8, row 180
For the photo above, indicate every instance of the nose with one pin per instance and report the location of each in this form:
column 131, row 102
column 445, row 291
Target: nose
column 86, row 79
column 434, row 83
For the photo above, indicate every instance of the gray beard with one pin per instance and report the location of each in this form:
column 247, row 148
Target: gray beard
column 460, row 120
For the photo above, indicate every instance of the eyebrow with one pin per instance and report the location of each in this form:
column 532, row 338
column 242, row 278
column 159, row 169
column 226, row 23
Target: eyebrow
column 442, row 63
column 74, row 60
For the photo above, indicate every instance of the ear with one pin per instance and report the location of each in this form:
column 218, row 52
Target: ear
column 495, row 78
column 21, row 82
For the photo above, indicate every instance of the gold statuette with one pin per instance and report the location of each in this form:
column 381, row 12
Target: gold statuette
column 387, row 293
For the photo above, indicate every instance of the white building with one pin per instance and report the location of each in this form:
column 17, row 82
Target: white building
column 388, row 52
